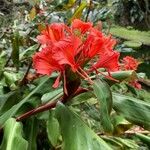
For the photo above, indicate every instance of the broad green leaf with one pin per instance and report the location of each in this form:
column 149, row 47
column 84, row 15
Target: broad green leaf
column 8, row 100
column 13, row 110
column 31, row 130
column 104, row 96
column 76, row 134
column 134, row 110
column 13, row 139
column 53, row 129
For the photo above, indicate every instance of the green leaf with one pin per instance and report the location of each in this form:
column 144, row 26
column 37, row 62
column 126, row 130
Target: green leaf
column 53, row 129
column 13, row 139
column 134, row 110
column 51, row 95
column 104, row 96
column 127, row 143
column 8, row 100
column 13, row 110
column 143, row 138
column 31, row 130
column 76, row 134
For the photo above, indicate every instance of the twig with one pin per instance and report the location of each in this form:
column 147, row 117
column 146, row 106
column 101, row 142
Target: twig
column 39, row 109
column 7, row 62
column 23, row 81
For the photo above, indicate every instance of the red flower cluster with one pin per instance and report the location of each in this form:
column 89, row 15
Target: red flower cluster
column 74, row 46
column 129, row 63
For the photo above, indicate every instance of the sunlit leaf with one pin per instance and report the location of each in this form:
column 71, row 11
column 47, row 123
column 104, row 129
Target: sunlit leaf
column 53, row 129
column 13, row 138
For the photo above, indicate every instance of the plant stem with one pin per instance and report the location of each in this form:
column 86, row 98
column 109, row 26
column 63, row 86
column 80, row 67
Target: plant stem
column 49, row 105
column 23, row 81
column 7, row 62
column 42, row 108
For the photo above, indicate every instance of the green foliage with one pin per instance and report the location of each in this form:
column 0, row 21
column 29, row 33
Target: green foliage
column 131, row 34
column 76, row 134
column 132, row 109
column 31, row 127
column 13, row 110
column 53, row 130
column 103, row 94
column 13, row 138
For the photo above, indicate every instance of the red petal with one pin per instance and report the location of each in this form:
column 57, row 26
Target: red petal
column 108, row 61
column 44, row 63
column 52, row 33
column 81, row 26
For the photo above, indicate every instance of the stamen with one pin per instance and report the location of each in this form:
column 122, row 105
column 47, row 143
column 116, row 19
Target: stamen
column 86, row 75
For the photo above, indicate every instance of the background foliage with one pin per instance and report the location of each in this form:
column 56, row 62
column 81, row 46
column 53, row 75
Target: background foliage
column 114, row 116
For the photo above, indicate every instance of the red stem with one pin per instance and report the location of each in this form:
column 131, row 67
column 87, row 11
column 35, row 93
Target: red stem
column 48, row 106
column 37, row 110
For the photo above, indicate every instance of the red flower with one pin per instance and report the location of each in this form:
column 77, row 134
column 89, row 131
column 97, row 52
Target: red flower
column 129, row 63
column 64, row 47
column 108, row 61
column 97, row 43
column 135, row 84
